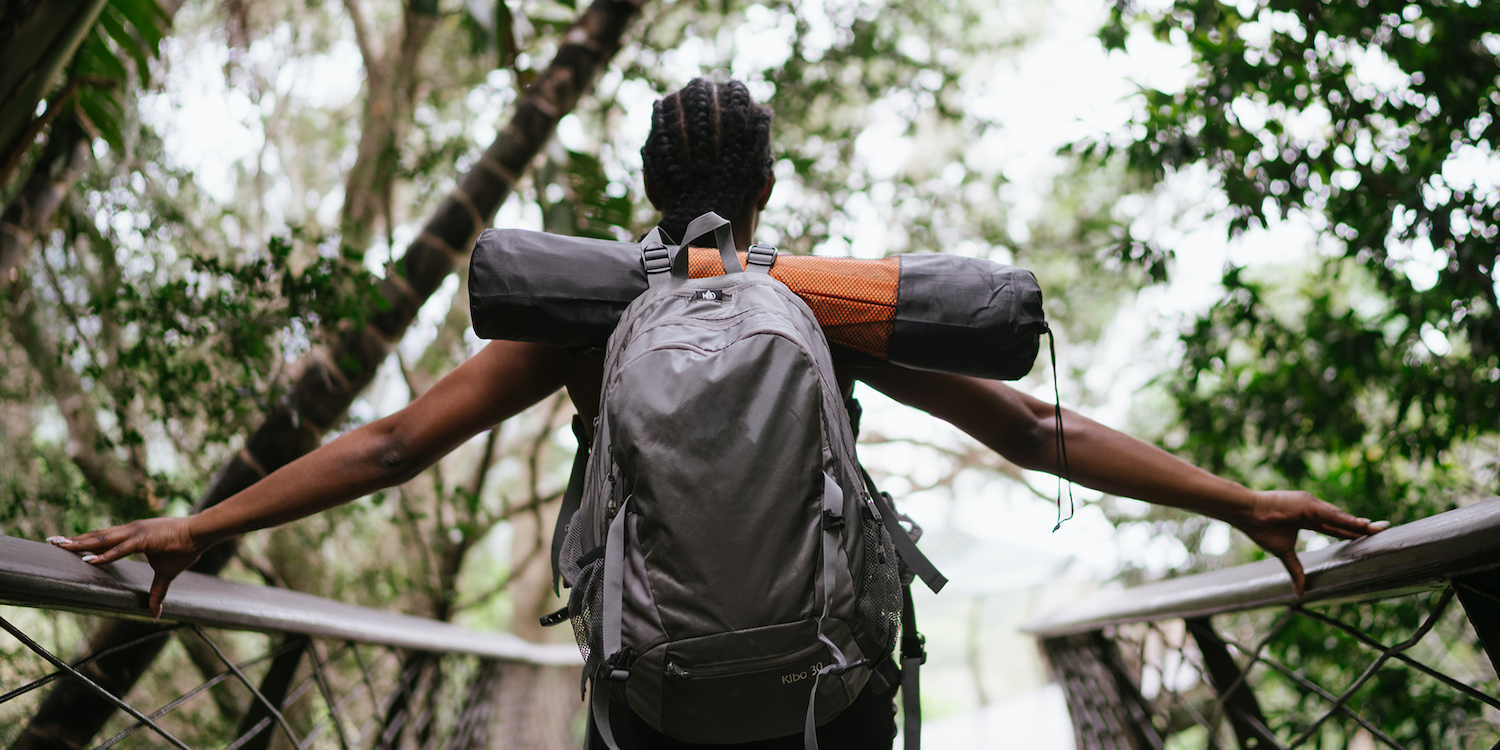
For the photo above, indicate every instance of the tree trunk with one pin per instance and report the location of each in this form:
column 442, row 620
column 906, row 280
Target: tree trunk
column 329, row 385
column 72, row 713
column 29, row 214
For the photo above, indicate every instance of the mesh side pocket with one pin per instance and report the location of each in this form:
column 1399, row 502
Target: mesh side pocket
column 586, row 603
column 572, row 549
column 878, row 605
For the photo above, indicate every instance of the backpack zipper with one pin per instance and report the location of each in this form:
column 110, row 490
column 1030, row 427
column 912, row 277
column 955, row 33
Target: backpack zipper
column 743, row 667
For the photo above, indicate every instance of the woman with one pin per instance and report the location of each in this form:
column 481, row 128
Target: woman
column 709, row 149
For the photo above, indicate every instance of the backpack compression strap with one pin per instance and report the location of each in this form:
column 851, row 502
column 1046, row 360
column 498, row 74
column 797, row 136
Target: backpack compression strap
column 616, row 663
column 833, row 528
column 905, row 547
column 913, row 645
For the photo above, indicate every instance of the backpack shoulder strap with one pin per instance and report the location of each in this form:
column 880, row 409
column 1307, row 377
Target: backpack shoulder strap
column 572, row 501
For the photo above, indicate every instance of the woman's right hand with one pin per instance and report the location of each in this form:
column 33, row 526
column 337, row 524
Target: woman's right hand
column 166, row 542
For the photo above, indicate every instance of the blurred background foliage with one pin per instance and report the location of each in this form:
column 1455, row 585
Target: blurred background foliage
column 156, row 312
column 1370, row 374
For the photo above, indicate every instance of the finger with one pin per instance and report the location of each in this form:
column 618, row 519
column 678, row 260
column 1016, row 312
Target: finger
column 1345, row 520
column 159, row 585
column 86, row 542
column 1340, row 533
column 112, row 554
column 1294, row 567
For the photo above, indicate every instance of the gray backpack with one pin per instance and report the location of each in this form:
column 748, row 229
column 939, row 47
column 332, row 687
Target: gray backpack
column 734, row 575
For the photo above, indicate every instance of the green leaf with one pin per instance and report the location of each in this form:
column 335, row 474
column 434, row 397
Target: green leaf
column 103, row 110
column 111, row 22
column 96, row 59
column 147, row 18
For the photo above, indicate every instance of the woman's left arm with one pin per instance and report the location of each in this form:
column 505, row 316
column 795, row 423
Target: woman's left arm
column 1022, row 429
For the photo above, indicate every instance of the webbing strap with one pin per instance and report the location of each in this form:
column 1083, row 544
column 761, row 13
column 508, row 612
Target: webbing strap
column 599, row 709
column 612, row 667
column 572, row 501
column 833, row 526
column 913, row 654
column 614, row 583
column 905, row 547
column 723, row 238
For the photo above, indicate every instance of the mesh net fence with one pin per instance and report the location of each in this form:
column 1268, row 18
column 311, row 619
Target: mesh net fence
column 1401, row 672
column 213, row 688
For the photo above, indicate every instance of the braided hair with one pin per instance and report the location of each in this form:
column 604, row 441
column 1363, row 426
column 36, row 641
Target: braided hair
column 709, row 150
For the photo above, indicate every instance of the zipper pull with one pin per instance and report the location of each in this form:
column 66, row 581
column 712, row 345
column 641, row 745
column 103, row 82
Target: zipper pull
column 675, row 671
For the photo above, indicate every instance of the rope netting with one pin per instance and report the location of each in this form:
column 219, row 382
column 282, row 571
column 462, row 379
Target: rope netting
column 1403, row 672
column 211, row 688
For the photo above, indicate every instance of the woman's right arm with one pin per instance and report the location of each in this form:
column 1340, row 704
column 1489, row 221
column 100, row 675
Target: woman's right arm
column 499, row 382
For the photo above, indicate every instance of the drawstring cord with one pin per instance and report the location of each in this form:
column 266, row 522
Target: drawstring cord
column 1064, row 472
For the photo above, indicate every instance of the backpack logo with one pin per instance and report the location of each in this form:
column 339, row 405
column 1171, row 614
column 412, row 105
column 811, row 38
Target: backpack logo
column 795, row 677
column 711, row 295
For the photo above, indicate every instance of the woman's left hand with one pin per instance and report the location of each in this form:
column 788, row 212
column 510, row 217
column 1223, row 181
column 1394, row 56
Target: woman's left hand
column 1277, row 515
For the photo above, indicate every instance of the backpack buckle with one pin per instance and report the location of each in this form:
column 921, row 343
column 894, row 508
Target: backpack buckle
column 832, row 521
column 760, row 255
column 617, row 666
column 657, row 261
column 914, row 648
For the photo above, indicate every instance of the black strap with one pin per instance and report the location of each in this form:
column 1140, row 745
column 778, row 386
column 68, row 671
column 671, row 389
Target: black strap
column 913, row 655
column 1064, row 472
column 599, row 710
column 572, row 501
column 905, row 547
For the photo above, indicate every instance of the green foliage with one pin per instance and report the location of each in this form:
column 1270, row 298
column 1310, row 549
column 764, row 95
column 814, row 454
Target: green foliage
column 176, row 334
column 130, row 29
column 1360, row 378
column 1362, row 118
column 587, row 207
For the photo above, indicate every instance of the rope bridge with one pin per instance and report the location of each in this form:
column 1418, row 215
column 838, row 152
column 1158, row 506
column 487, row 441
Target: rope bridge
column 243, row 665
column 1395, row 644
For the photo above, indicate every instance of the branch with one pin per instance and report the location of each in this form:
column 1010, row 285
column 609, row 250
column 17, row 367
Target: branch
column 500, row 587
column 362, row 34
column 105, row 474
column 54, row 108
column 29, row 214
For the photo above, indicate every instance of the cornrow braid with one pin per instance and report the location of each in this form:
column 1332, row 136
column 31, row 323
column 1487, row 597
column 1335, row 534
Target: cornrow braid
column 709, row 150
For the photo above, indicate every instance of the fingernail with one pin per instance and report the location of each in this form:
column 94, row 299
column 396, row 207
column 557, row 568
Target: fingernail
column 1381, row 525
column 90, row 558
column 1364, row 520
column 59, row 540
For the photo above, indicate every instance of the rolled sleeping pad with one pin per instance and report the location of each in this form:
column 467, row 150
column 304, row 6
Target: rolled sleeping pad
column 924, row 311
